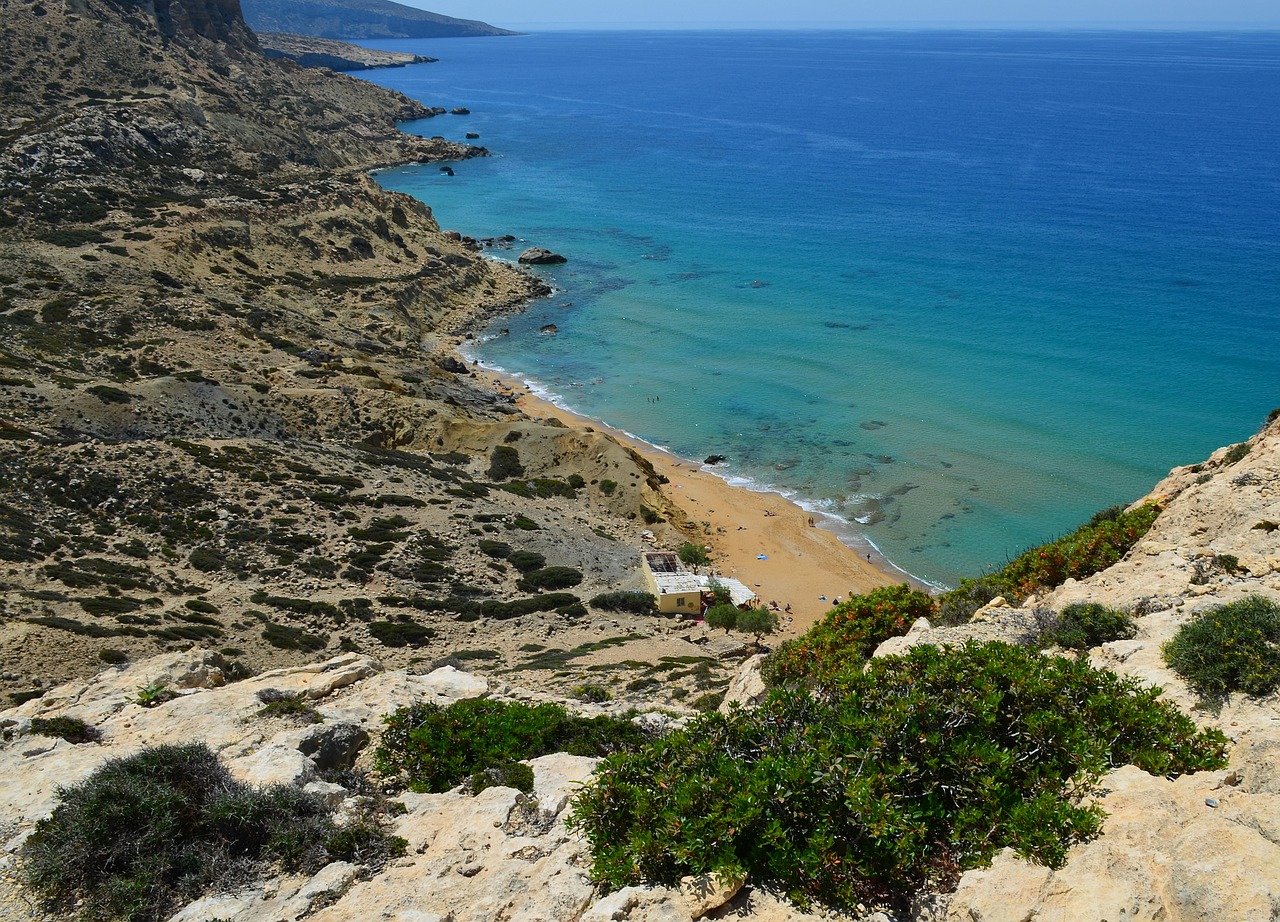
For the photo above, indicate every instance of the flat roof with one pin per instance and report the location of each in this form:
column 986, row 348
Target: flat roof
column 674, row 583
column 662, row 562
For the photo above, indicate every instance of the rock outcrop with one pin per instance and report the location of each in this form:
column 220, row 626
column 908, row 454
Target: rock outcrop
column 498, row 855
column 538, row 256
column 335, row 55
column 1201, row 847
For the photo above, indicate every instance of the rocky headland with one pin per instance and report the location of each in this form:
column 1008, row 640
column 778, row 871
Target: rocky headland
column 335, row 55
column 348, row 19
column 240, row 459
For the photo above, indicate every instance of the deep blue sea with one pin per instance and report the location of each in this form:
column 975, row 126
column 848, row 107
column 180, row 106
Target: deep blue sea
column 957, row 289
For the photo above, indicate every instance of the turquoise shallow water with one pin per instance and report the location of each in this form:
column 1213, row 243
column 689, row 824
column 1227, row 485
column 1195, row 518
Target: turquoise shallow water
column 959, row 290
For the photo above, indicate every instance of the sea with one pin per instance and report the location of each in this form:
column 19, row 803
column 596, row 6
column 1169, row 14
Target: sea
column 951, row 291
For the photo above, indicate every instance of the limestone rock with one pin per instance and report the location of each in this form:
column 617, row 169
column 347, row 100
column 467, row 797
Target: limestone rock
column 639, row 904
column 1164, row 854
column 747, row 687
column 896, row 646
column 447, row 682
column 557, row 777
column 707, row 892
column 273, row 764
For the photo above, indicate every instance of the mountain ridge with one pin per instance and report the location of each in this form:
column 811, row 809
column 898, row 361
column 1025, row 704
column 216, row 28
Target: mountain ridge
column 355, row 19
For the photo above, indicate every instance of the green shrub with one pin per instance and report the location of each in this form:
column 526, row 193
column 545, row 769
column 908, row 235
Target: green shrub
column 504, row 463
column 299, row 606
column 708, row 702
column 607, row 487
column 113, row 657
column 549, row 578
column 846, row 636
column 1090, row 548
column 110, row 605
column 637, row 603
column 154, row 694
column 901, row 778
column 276, row 703
column 757, row 621
column 71, row 729
column 144, row 834
column 1232, row 648
column 434, row 749
column 506, row 774
column 108, row 394
column 400, row 633
column 593, row 694
column 525, row 561
column 723, row 615
column 694, row 555
column 1085, row 625
column 207, row 559
column 498, row 550
column 524, row 523
column 1237, row 453
column 293, row 638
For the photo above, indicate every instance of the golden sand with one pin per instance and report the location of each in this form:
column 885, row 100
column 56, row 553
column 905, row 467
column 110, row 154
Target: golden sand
column 774, row 546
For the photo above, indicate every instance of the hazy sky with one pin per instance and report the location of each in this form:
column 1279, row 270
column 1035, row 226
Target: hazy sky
column 975, row 12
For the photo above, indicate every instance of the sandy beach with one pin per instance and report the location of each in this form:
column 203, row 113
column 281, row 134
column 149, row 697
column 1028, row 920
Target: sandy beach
column 760, row 538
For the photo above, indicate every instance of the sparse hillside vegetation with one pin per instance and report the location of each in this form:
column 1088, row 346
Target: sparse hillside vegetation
column 1092, row 547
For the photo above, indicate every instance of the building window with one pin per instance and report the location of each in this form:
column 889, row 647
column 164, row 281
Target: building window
column 680, row 602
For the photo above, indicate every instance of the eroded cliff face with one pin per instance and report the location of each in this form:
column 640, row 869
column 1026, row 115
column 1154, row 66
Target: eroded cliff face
column 214, row 20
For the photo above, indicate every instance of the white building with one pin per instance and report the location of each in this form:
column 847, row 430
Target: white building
column 680, row 592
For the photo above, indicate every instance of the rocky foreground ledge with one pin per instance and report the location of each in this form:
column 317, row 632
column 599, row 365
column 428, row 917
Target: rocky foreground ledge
column 497, row 855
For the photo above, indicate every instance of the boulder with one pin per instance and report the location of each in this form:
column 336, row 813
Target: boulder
column 707, row 892
column 453, row 365
column 334, row 747
column 273, row 764
column 538, row 256
column 448, row 682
